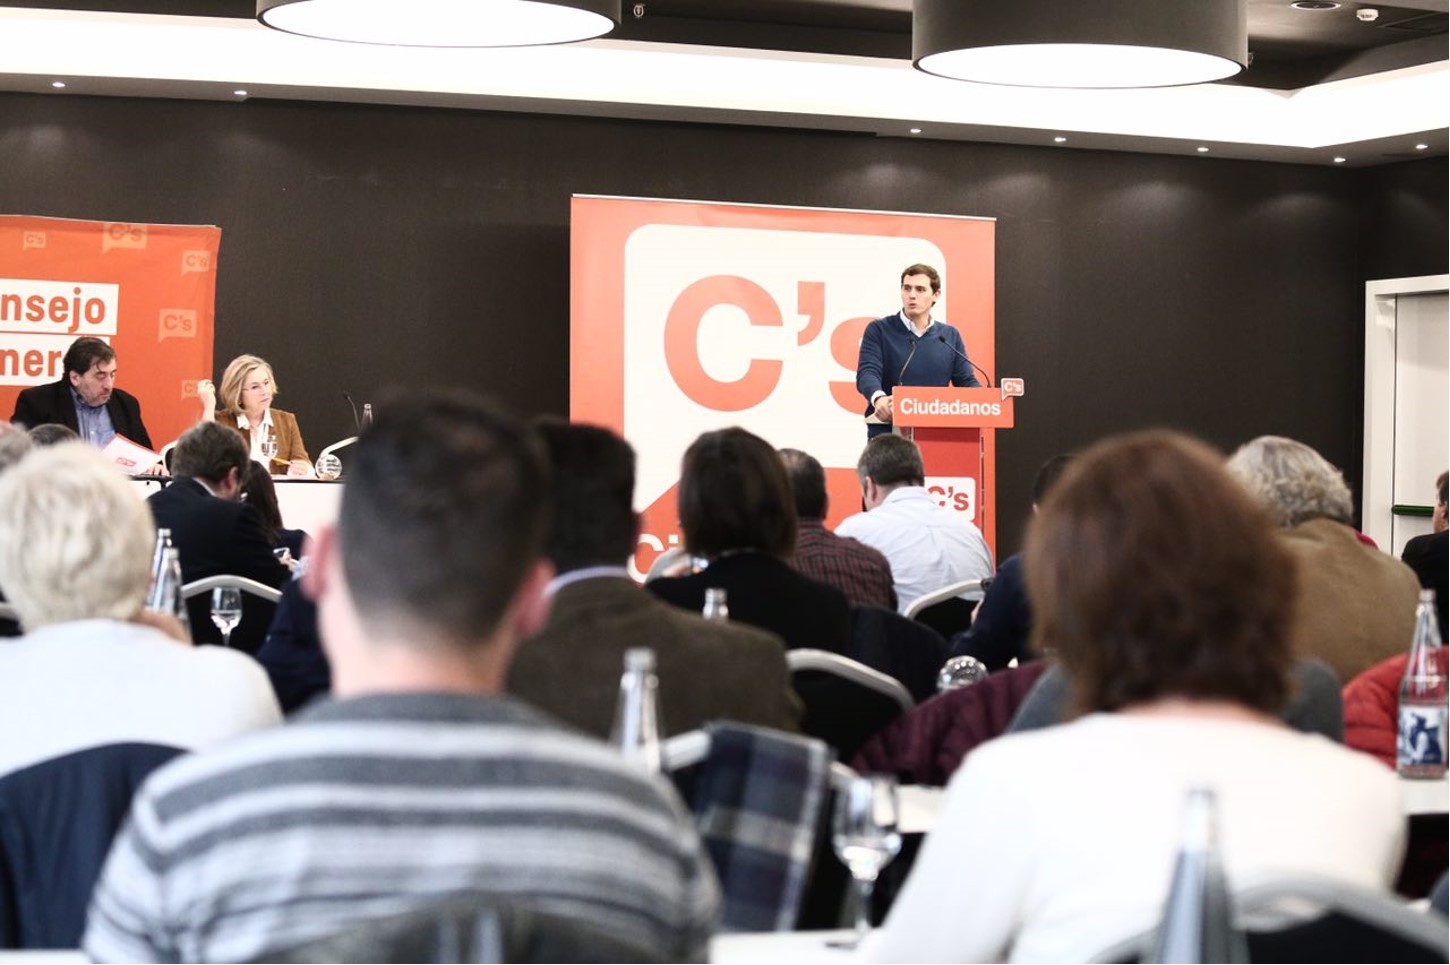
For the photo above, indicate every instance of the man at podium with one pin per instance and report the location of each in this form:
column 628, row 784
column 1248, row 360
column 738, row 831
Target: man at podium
column 909, row 348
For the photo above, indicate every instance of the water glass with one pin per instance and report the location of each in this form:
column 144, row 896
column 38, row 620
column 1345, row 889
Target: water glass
column 865, row 837
column 226, row 611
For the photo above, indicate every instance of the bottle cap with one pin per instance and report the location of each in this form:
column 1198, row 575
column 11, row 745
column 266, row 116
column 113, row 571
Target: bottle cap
column 639, row 658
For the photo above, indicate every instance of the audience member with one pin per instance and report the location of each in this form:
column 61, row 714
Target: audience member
column 215, row 532
column 292, row 652
column 570, row 668
column 1429, row 556
column 849, row 565
column 75, row 550
column 420, row 783
column 247, row 390
column 1355, row 605
column 14, row 445
column 929, row 547
column 1003, row 622
column 50, row 433
column 1179, row 660
column 737, row 514
column 85, row 399
column 258, row 490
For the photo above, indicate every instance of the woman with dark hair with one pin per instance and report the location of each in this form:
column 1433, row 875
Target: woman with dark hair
column 1162, row 588
column 259, row 490
column 738, row 514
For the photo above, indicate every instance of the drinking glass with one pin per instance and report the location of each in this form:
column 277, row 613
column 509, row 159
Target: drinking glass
column 865, row 837
column 269, row 445
column 226, row 611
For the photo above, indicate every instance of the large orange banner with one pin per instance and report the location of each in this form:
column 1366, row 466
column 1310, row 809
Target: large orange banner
column 148, row 290
column 690, row 316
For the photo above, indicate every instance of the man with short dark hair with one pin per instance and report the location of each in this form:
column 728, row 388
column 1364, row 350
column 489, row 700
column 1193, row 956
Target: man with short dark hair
column 909, row 348
column 85, row 399
column 707, row 671
column 929, row 547
column 849, row 565
column 419, row 783
column 215, row 532
column 1002, row 627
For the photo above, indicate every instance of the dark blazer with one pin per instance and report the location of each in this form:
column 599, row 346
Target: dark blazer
column 1003, row 625
column 765, row 592
column 707, row 671
column 1427, row 556
column 216, row 536
column 292, row 654
column 40, row 404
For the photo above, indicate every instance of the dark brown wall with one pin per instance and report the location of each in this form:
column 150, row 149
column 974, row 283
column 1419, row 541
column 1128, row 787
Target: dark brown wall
column 372, row 245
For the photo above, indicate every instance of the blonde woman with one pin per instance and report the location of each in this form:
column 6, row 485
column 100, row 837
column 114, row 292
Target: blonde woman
column 247, row 390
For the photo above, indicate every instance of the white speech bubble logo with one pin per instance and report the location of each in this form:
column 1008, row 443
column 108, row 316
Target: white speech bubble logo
column 196, row 261
column 32, row 239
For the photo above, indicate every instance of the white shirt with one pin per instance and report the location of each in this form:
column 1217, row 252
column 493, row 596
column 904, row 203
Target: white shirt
column 73, row 686
column 1053, row 845
column 927, row 546
column 245, row 426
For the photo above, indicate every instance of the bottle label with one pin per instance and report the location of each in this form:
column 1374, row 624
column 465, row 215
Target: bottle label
column 1421, row 744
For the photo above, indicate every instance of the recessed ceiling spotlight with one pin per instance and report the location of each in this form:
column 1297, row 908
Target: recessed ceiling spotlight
column 1314, row 5
column 1421, row 147
column 916, row 130
column 240, row 93
column 57, row 84
column 1340, row 160
column 1059, row 140
column 1202, row 150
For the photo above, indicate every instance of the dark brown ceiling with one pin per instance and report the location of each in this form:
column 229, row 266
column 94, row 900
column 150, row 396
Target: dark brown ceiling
column 1290, row 48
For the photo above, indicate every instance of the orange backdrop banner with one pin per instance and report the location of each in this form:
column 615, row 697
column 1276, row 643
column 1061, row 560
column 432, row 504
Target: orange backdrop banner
column 148, row 290
column 689, row 316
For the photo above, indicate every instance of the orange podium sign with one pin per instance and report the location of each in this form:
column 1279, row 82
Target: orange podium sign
column 954, row 428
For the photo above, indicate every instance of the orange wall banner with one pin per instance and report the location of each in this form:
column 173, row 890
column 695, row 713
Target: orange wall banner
column 689, row 316
column 148, row 290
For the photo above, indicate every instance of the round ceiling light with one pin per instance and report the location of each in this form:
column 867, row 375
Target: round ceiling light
column 443, row 23
column 1106, row 44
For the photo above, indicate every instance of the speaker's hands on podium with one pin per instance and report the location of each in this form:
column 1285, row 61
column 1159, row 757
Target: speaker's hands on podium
column 883, row 408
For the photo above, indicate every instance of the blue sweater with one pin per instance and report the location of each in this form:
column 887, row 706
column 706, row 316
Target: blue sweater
column 886, row 359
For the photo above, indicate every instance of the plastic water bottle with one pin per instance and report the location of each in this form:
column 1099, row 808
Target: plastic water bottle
column 1197, row 923
column 367, row 416
column 636, row 716
column 166, row 593
column 1420, row 748
column 716, row 608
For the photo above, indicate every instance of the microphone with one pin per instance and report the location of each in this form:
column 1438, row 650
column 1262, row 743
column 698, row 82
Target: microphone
column 909, row 356
column 963, row 356
column 356, row 425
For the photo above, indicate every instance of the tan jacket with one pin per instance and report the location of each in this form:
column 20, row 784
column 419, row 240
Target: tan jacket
column 289, row 438
column 1356, row 603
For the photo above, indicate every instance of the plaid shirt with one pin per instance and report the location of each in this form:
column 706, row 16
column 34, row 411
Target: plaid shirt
column 849, row 565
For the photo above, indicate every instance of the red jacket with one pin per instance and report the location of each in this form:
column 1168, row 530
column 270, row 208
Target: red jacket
column 1371, row 709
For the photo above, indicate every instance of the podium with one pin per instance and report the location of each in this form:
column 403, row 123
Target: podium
column 955, row 429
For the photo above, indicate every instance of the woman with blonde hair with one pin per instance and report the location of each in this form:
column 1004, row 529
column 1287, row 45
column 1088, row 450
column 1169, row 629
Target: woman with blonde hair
column 247, row 390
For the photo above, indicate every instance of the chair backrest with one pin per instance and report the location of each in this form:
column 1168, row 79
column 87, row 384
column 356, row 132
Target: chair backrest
column 906, row 650
column 758, row 796
column 845, row 702
column 339, row 444
column 197, row 587
column 1311, row 918
column 969, row 590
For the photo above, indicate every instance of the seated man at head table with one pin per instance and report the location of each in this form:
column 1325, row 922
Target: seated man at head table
column 419, row 782
column 86, row 399
column 571, row 667
column 216, row 533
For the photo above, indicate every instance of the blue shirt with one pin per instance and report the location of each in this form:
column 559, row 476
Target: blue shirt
column 93, row 422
